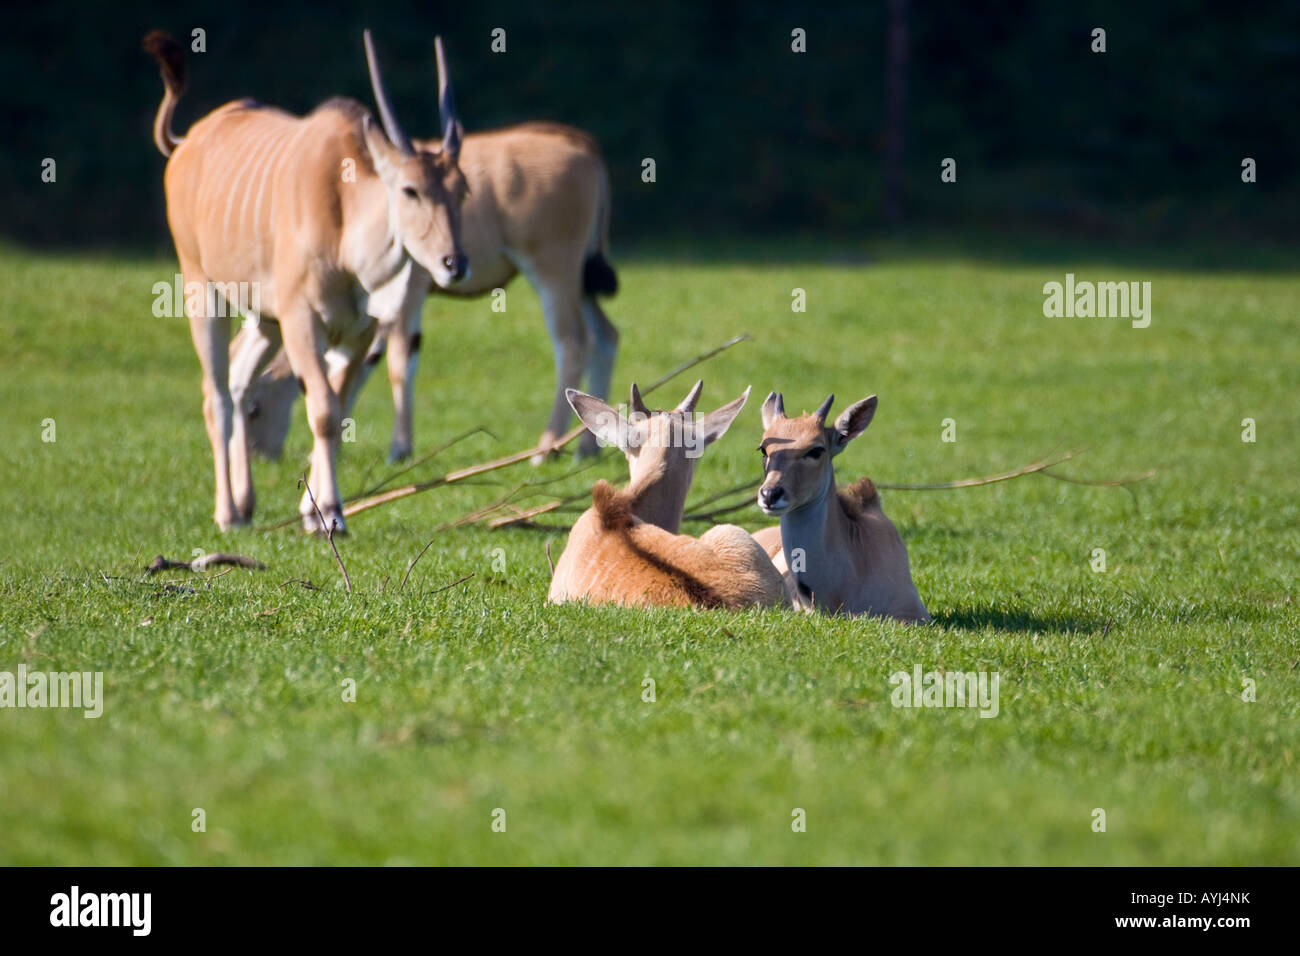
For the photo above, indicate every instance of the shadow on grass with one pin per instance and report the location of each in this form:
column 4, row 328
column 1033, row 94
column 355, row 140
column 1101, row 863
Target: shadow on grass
column 1016, row 619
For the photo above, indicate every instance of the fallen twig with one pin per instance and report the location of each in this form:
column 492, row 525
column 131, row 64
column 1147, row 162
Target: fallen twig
column 691, row 363
column 306, row 584
column 203, row 562
column 524, row 515
column 1042, row 466
column 1103, row 482
column 395, row 494
column 453, row 583
column 373, row 489
column 480, row 514
column 421, row 460
column 719, row 512
column 329, row 534
column 402, row 587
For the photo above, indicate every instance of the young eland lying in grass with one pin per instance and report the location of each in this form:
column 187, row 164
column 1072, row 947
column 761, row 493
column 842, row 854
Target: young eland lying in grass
column 835, row 547
column 625, row 549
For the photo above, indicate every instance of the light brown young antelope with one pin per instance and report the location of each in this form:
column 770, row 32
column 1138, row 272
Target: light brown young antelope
column 318, row 213
column 836, row 549
column 625, row 549
column 538, row 204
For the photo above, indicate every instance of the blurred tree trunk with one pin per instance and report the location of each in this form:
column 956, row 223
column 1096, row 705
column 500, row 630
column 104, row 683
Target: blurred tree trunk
column 895, row 90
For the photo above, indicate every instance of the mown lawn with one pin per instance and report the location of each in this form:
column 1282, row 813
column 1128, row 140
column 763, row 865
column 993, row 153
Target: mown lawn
column 1120, row 690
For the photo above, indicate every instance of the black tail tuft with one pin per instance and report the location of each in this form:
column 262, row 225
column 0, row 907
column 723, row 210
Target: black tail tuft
column 169, row 53
column 598, row 276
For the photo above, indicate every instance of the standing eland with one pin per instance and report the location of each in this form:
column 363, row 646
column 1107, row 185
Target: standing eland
column 318, row 214
column 538, row 204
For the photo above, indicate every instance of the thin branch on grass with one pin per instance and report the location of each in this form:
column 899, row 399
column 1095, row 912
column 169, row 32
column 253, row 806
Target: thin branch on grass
column 1040, row 467
column 397, row 474
column 305, row 583
column 203, row 562
column 480, row 514
column 524, row 515
column 402, row 586
column 1104, row 482
column 549, row 563
column 395, row 494
column 691, row 363
column 719, row 512
column 421, row 460
column 446, row 587
column 329, row 533
column 1033, row 468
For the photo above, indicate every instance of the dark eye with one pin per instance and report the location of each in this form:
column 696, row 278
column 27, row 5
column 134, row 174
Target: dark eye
column 763, row 452
column 814, row 453
column 410, row 193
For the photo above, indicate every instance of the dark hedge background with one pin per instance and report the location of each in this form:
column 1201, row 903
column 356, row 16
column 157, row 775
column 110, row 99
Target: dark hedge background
column 1144, row 142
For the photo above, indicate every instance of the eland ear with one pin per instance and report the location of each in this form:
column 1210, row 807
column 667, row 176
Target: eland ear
column 853, row 421
column 773, row 408
column 601, row 419
column 715, row 424
column 381, row 150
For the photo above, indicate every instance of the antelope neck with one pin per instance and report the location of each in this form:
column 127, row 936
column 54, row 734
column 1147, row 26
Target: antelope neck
column 812, row 528
column 659, row 499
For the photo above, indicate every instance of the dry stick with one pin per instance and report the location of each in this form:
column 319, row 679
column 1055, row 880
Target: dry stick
column 747, row 486
column 373, row 488
column 204, row 562
column 524, row 515
column 699, row 359
column 421, row 460
column 307, row 584
column 329, row 533
column 455, row 476
column 521, row 515
column 453, row 583
column 411, row 565
column 479, row 514
column 1104, row 482
column 718, row 512
column 1041, row 466
column 452, row 477
column 560, row 503
column 467, row 519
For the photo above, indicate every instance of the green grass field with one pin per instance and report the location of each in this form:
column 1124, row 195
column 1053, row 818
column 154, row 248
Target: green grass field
column 1120, row 690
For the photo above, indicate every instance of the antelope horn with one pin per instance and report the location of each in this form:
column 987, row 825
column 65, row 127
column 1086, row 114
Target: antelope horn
column 778, row 403
column 386, row 114
column 446, row 103
column 690, row 401
column 825, row 408
column 637, row 404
